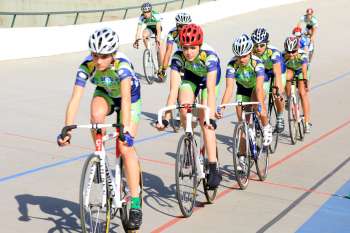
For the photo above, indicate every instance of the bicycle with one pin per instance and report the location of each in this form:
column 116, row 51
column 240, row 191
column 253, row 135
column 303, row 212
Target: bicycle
column 255, row 152
column 112, row 192
column 295, row 117
column 272, row 114
column 191, row 162
column 150, row 64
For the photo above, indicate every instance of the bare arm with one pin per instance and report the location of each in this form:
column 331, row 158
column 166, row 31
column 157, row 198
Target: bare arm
column 278, row 76
column 211, row 84
column 73, row 104
column 175, row 81
column 125, row 87
column 168, row 51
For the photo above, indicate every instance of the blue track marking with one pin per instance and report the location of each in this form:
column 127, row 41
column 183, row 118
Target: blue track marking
column 333, row 216
column 75, row 158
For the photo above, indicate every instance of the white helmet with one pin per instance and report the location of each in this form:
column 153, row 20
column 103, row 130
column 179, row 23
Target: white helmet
column 242, row 45
column 291, row 44
column 183, row 18
column 104, row 41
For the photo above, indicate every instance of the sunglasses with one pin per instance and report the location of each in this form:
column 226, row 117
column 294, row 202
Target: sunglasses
column 261, row 45
column 292, row 52
column 179, row 26
column 145, row 12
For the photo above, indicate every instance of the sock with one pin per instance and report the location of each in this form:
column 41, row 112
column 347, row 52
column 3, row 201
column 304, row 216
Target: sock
column 135, row 203
column 212, row 166
column 280, row 115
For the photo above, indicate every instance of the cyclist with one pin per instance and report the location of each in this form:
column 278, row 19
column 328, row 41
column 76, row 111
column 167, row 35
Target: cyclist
column 296, row 61
column 311, row 25
column 304, row 41
column 248, row 72
column 181, row 19
column 117, row 87
column 149, row 24
column 201, row 67
column 274, row 69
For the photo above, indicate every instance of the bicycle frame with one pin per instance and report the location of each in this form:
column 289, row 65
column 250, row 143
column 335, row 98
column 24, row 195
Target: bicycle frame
column 188, row 129
column 252, row 121
column 293, row 95
column 108, row 181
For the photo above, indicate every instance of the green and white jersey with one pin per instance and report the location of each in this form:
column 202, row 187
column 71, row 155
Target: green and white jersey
column 312, row 22
column 245, row 74
column 109, row 79
column 297, row 62
column 173, row 37
column 152, row 21
column 206, row 61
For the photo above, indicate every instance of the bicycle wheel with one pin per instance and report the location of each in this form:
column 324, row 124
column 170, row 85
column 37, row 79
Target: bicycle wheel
column 301, row 129
column 186, row 175
column 210, row 194
column 272, row 113
column 93, row 216
column 292, row 122
column 148, row 66
column 242, row 175
column 125, row 195
column 262, row 160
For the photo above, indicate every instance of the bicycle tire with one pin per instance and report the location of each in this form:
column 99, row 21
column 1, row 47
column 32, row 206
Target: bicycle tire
column 242, row 177
column 292, row 122
column 262, row 160
column 148, row 66
column 210, row 194
column 185, row 160
column 101, row 223
column 301, row 129
column 124, row 211
column 272, row 113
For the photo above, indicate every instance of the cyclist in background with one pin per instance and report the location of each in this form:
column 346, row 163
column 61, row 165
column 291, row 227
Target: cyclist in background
column 181, row 19
column 149, row 24
column 296, row 61
column 248, row 72
column 116, row 87
column 201, row 67
column 304, row 42
column 311, row 25
column 274, row 70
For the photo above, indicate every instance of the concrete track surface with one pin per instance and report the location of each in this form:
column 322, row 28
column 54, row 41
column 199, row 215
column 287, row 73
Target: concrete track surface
column 307, row 184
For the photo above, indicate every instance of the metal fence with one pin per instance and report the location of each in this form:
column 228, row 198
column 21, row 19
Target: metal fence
column 161, row 6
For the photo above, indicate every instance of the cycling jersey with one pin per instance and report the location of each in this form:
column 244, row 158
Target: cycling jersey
column 297, row 62
column 173, row 37
column 305, row 42
column 195, row 72
column 152, row 21
column 245, row 74
column 270, row 57
column 109, row 79
column 312, row 22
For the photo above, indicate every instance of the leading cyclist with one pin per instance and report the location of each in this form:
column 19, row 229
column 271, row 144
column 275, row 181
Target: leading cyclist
column 149, row 24
column 201, row 67
column 117, row 87
column 311, row 25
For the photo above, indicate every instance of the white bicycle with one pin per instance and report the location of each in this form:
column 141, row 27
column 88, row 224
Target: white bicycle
column 191, row 162
column 102, row 194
